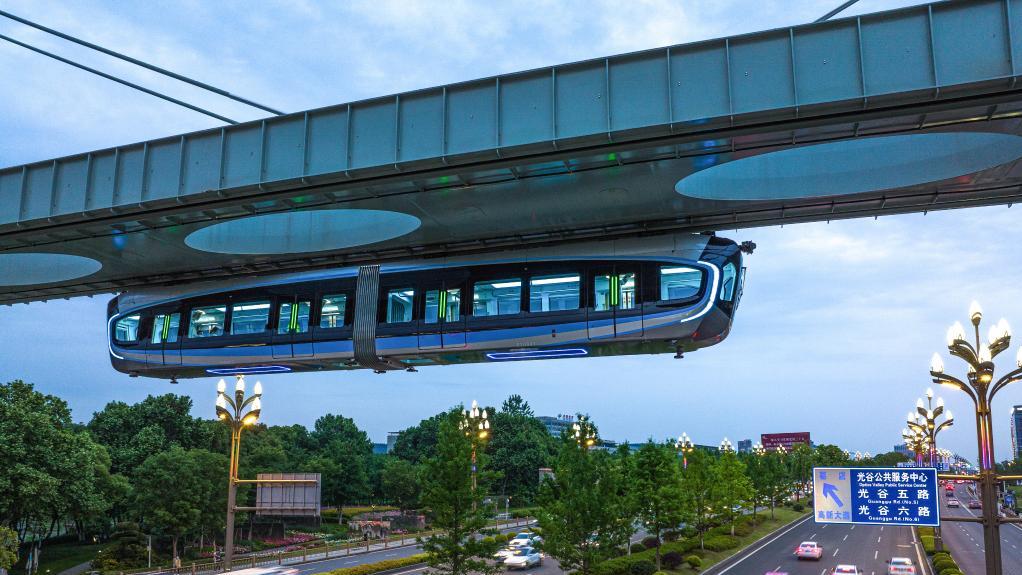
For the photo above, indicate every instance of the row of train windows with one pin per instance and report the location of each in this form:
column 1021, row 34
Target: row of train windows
column 489, row 298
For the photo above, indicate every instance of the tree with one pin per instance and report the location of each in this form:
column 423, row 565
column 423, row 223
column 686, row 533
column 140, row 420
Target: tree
column 772, row 478
column 418, row 443
column 732, row 487
column 8, row 548
column 134, row 432
column 455, row 507
column 50, row 468
column 179, row 490
column 400, row 483
column 658, row 490
column 800, row 465
column 128, row 550
column 518, row 447
column 582, row 509
column 698, row 481
column 344, row 475
column 829, row 456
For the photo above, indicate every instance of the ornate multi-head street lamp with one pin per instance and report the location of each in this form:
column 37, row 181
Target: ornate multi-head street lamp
column 584, row 432
column 684, row 446
column 981, row 387
column 924, row 420
column 476, row 425
column 238, row 412
column 916, row 440
column 726, row 446
column 760, row 451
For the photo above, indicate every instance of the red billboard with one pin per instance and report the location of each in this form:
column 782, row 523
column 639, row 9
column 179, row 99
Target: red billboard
column 771, row 441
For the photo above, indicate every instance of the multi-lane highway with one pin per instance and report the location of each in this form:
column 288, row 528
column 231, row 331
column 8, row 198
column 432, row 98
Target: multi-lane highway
column 965, row 540
column 867, row 547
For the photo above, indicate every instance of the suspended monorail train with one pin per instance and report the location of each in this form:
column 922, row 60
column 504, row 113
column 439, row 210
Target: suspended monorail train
column 671, row 293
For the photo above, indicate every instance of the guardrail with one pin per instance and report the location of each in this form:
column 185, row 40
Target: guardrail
column 328, row 551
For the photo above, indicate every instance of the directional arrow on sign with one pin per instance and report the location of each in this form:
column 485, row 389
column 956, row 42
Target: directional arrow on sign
column 831, row 490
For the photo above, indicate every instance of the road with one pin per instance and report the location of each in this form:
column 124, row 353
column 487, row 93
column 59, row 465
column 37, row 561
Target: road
column 965, row 540
column 865, row 546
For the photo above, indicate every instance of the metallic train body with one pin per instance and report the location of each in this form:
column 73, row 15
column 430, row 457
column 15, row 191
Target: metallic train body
column 623, row 304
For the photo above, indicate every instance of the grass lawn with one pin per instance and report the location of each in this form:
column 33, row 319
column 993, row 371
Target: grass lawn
column 60, row 556
column 782, row 516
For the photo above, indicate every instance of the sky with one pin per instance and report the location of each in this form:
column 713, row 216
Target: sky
column 834, row 333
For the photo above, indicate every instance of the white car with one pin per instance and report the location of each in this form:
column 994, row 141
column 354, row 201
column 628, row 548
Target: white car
column 846, row 570
column 504, row 553
column 524, row 539
column 523, row 558
column 809, row 550
column 900, row 566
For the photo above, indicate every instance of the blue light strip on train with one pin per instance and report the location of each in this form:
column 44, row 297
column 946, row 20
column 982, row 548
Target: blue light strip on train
column 249, row 370
column 537, row 354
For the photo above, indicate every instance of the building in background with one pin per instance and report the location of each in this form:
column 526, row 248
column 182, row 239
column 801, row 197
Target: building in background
column 555, row 425
column 771, row 441
column 392, row 440
column 1016, row 430
column 904, row 450
column 744, row 446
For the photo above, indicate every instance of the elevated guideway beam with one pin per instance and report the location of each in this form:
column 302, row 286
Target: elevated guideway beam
column 903, row 111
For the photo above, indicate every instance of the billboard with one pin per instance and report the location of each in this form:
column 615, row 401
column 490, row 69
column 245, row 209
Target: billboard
column 876, row 496
column 771, row 441
column 288, row 499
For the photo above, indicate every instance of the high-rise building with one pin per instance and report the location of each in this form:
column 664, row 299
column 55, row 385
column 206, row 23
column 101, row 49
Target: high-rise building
column 555, row 425
column 1016, row 431
column 744, row 446
column 392, row 440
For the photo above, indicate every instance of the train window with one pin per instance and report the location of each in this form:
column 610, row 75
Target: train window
column 207, row 321
column 554, row 293
column 126, row 329
column 165, row 327
column 399, row 305
column 250, row 317
column 497, row 297
column 294, row 317
column 614, row 291
column 443, row 304
column 679, row 282
column 331, row 314
column 727, row 287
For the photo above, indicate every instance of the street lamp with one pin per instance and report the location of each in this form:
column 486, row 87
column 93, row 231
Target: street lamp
column 685, row 446
column 584, row 432
column 237, row 412
column 924, row 420
column 726, row 447
column 980, row 386
column 476, row 425
column 917, row 441
column 759, row 450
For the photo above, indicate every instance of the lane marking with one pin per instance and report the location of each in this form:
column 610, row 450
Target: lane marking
column 813, row 536
column 845, row 538
column 875, row 553
column 760, row 548
column 835, row 552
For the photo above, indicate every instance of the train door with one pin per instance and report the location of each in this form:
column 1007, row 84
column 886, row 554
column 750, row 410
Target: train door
column 165, row 339
column 443, row 323
column 614, row 308
column 292, row 336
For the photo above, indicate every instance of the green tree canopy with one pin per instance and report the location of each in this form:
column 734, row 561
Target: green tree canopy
column 582, row 509
column 455, row 507
column 418, row 443
column 732, row 487
column 519, row 445
column 658, row 490
column 400, row 483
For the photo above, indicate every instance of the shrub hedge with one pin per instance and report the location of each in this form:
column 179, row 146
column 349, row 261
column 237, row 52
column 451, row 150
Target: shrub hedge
column 385, row 565
column 642, row 567
column 671, row 559
column 694, row 561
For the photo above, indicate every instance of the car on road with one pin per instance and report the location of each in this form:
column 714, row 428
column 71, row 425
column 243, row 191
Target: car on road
column 524, row 539
column 975, row 504
column 523, row 558
column 503, row 554
column 809, row 550
column 846, row 570
column 952, row 502
column 900, row 566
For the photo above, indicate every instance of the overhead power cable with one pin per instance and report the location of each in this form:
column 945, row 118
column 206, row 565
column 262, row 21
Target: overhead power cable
column 138, row 62
column 835, row 11
column 118, row 80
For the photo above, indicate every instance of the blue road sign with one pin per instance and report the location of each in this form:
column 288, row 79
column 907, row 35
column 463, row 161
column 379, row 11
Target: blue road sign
column 876, row 495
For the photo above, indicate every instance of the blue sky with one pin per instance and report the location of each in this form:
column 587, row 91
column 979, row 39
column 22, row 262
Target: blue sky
column 834, row 333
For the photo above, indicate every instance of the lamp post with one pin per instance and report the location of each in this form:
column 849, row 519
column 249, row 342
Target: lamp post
column 760, row 451
column 584, row 432
column 925, row 418
column 685, row 446
column 726, row 447
column 237, row 412
column 916, row 440
column 981, row 387
column 476, row 426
